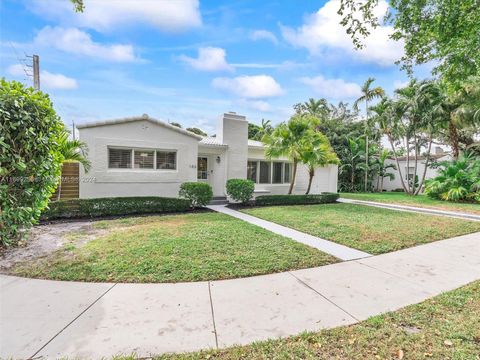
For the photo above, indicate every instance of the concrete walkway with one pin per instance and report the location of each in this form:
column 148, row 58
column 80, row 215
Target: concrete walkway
column 454, row 214
column 52, row 319
column 341, row 252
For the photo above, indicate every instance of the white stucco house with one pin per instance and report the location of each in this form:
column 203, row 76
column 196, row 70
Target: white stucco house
column 142, row 156
column 408, row 169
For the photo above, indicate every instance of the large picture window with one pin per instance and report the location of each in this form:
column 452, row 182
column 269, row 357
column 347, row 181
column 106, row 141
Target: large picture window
column 125, row 158
column 119, row 158
column 252, row 171
column 277, row 173
column 265, row 172
column 287, row 175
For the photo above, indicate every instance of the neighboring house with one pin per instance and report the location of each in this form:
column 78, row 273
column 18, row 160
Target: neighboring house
column 409, row 171
column 142, row 156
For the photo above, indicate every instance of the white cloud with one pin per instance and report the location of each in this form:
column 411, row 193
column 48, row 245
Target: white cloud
column 75, row 41
column 258, row 105
column 105, row 15
column 264, row 35
column 257, row 86
column 47, row 79
column 322, row 32
column 209, row 59
column 333, row 88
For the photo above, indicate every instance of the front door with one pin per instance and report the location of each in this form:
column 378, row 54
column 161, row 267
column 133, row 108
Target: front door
column 203, row 173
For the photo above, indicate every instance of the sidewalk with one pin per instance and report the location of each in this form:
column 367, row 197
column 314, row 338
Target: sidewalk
column 52, row 319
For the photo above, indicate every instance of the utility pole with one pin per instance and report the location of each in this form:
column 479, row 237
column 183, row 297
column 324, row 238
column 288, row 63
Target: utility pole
column 73, row 129
column 36, row 72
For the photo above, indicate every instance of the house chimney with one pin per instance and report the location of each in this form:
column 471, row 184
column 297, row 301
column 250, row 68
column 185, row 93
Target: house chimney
column 233, row 131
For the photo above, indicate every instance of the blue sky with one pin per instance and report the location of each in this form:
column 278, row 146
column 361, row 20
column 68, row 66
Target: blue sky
column 189, row 61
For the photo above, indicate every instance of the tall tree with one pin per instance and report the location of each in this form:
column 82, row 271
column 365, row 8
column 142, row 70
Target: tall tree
column 442, row 32
column 369, row 93
column 382, row 167
column 289, row 139
column 318, row 108
column 197, row 131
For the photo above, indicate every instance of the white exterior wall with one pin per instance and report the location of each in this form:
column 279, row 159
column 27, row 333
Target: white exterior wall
column 136, row 182
column 390, row 185
column 324, row 180
column 217, row 171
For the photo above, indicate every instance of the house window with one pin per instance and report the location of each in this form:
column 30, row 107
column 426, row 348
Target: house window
column 277, row 173
column 120, row 158
column 143, row 159
column 252, row 171
column 287, row 173
column 166, row 160
column 265, row 172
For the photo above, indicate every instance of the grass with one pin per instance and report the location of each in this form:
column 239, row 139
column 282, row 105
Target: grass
column 419, row 201
column 445, row 327
column 370, row 229
column 187, row 247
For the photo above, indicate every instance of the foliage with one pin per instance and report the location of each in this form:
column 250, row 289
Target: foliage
column 443, row 32
column 197, row 131
column 30, row 132
column 240, row 189
column 268, row 200
column 115, row 206
column 176, row 124
column 78, row 5
column 381, row 167
column 318, row 108
column 459, row 180
column 256, row 132
column 290, row 139
column 198, row 193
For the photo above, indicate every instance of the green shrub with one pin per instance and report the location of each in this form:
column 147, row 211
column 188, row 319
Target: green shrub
column 198, row 193
column 29, row 157
column 81, row 208
column 458, row 180
column 240, row 189
column 323, row 198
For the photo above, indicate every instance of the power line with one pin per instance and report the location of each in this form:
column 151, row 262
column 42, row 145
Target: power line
column 21, row 62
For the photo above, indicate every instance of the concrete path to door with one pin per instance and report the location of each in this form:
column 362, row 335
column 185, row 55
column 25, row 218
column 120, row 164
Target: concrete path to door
column 341, row 252
column 454, row 214
column 53, row 319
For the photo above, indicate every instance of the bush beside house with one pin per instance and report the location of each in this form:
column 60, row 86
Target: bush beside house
column 199, row 194
column 29, row 156
column 90, row 208
column 240, row 189
column 268, row 200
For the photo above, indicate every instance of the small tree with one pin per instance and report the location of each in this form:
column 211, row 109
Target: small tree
column 240, row 189
column 288, row 139
column 30, row 132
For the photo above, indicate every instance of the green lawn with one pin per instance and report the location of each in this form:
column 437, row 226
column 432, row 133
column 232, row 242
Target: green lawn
column 187, row 247
column 419, row 201
column 367, row 228
column 445, row 327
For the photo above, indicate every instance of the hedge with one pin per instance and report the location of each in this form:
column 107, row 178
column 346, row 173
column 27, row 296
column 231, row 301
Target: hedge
column 323, row 198
column 198, row 193
column 90, row 208
column 240, row 189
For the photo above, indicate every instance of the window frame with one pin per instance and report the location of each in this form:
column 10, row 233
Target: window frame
column 132, row 158
column 271, row 162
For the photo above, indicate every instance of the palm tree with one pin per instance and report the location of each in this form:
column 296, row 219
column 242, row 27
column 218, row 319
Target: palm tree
column 382, row 168
column 72, row 150
column 289, row 139
column 265, row 128
column 353, row 156
column 317, row 153
column 368, row 94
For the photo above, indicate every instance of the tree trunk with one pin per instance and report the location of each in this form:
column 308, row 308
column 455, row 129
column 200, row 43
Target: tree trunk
column 420, row 184
column 311, row 174
column 408, row 163
column 294, row 174
column 398, row 164
column 381, row 185
column 366, row 146
column 454, row 139
column 59, row 189
column 378, row 181
column 416, row 161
